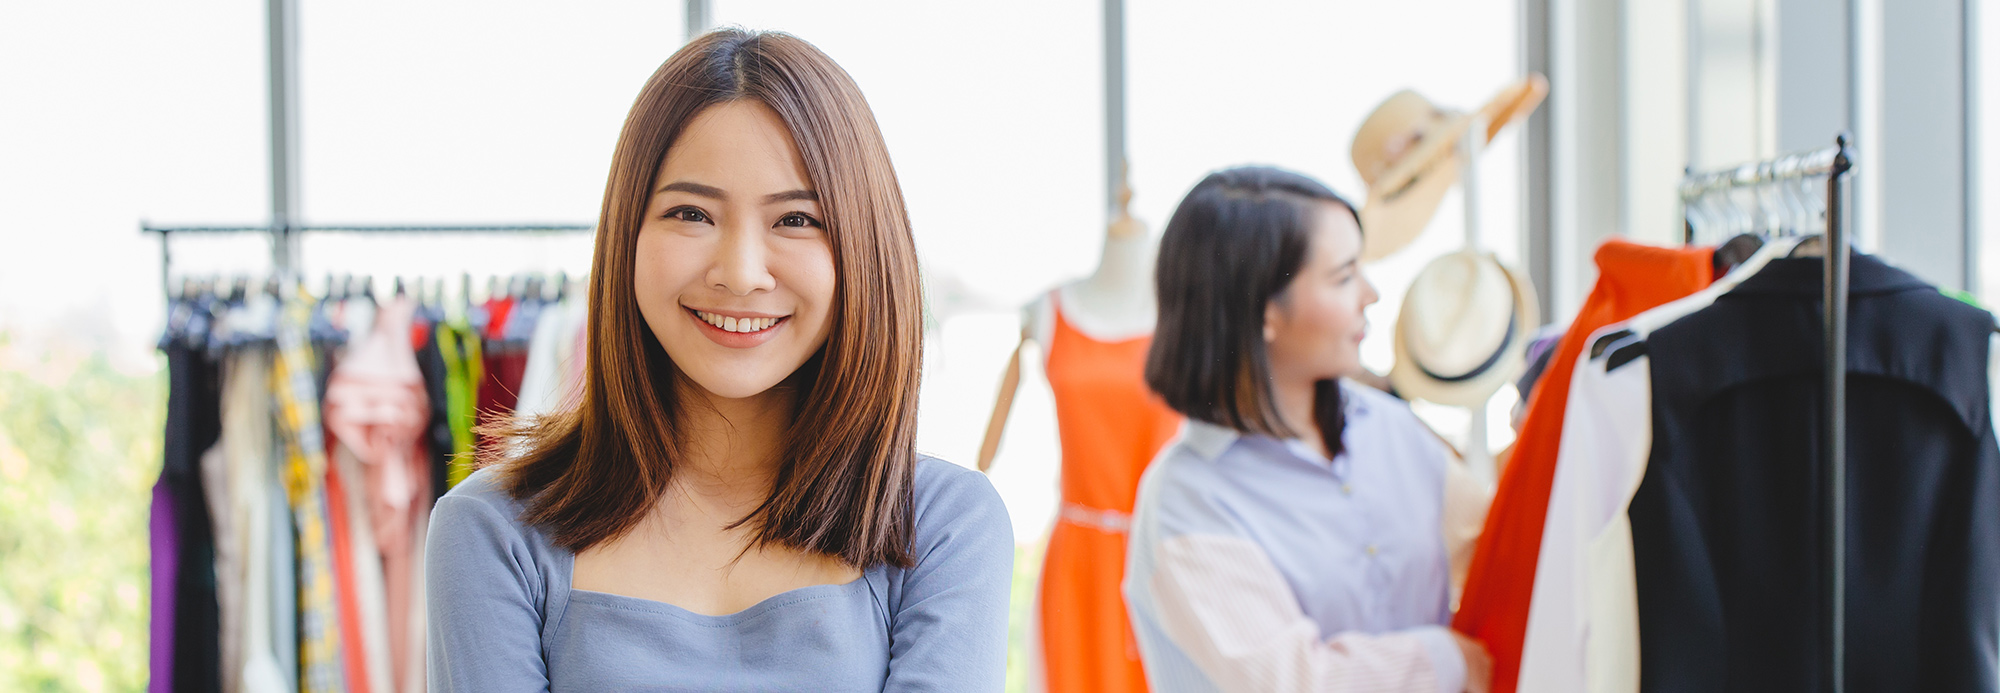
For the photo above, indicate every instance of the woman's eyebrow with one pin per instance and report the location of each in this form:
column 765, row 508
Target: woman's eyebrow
column 715, row 193
column 791, row 195
column 708, row 191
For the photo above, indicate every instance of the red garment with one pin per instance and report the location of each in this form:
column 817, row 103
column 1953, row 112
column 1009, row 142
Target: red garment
column 355, row 655
column 1632, row 278
column 1111, row 427
column 497, row 310
column 501, row 390
column 505, row 366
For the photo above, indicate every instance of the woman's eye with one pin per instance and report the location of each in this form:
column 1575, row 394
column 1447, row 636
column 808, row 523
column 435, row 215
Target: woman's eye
column 688, row 214
column 797, row 220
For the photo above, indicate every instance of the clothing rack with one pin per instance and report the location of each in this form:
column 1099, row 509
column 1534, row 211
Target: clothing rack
column 282, row 235
column 1833, row 163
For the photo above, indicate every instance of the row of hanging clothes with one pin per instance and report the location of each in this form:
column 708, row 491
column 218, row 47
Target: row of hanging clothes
column 307, row 438
column 1660, row 522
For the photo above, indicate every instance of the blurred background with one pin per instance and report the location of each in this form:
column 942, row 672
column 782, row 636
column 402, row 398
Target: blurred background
column 115, row 114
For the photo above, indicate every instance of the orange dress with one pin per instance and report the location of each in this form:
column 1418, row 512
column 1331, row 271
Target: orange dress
column 1111, row 426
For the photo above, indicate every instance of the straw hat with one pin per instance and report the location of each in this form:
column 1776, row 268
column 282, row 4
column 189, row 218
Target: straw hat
column 1407, row 153
column 1464, row 330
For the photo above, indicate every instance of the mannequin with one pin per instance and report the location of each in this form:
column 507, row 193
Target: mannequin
column 1094, row 334
column 1114, row 303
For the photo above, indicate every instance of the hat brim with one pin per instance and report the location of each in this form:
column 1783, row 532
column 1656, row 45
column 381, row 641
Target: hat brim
column 1413, row 383
column 1514, row 103
column 1403, row 200
column 1393, row 218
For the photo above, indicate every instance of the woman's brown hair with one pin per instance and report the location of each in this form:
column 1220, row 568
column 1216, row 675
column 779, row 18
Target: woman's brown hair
column 589, row 472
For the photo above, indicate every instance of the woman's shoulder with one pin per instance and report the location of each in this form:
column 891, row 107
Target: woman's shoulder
column 481, row 505
column 956, row 508
column 1384, row 413
column 948, row 493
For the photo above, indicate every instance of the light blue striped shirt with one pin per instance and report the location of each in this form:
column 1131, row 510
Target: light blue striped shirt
column 1257, row 564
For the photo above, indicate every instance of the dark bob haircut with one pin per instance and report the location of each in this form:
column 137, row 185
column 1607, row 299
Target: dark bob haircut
column 1231, row 247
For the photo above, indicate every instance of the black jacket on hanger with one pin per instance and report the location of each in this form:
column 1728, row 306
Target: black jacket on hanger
column 1727, row 523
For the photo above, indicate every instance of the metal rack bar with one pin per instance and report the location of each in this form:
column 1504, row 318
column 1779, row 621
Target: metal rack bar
column 166, row 233
column 377, row 228
column 1813, row 164
column 1834, row 306
column 1833, row 163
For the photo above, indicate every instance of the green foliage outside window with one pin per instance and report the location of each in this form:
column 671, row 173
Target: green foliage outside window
column 79, row 451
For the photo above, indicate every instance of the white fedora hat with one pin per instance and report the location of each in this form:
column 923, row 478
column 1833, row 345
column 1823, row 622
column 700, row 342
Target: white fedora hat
column 1463, row 331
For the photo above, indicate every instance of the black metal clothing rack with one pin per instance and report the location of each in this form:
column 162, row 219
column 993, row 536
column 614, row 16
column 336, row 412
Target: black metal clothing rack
column 282, row 235
column 1834, row 163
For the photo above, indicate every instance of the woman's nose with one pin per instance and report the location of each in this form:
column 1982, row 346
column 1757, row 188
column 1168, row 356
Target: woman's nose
column 740, row 264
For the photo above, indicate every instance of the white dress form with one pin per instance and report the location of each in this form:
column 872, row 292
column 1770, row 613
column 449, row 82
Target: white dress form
column 1114, row 303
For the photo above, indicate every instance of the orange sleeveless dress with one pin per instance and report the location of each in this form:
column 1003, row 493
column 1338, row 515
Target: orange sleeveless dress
column 1111, row 426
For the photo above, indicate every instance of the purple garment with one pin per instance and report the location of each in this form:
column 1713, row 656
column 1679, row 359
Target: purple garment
column 166, row 540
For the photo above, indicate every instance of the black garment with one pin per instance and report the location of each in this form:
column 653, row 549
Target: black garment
column 1726, row 525
column 437, row 433
column 194, row 423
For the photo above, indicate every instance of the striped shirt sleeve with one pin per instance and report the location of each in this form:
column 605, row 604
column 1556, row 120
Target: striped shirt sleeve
column 1228, row 607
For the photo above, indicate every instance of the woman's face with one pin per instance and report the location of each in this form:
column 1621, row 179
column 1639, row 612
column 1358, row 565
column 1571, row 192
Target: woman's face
column 735, row 272
column 1313, row 328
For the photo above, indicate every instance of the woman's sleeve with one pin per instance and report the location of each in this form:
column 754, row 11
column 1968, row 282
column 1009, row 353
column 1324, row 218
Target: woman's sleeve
column 949, row 632
column 1224, row 603
column 484, row 594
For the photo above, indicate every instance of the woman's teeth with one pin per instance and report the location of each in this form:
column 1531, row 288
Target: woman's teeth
column 729, row 324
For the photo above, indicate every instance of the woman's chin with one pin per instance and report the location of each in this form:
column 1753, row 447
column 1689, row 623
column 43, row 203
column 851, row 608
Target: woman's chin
column 735, row 385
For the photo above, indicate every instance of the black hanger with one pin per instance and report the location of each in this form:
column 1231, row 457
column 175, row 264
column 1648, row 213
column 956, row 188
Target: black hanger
column 1734, row 252
column 1625, row 354
column 1597, row 348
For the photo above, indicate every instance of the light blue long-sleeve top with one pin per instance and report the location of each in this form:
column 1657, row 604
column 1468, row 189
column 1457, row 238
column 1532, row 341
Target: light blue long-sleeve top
column 1256, row 564
column 503, row 617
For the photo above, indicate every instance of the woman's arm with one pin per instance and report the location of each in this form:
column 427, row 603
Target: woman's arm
column 485, row 595
column 949, row 632
column 1224, row 603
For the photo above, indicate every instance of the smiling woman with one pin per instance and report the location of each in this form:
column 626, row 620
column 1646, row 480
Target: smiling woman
column 735, row 502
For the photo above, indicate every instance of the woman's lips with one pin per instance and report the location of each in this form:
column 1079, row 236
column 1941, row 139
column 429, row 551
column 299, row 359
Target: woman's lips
column 737, row 339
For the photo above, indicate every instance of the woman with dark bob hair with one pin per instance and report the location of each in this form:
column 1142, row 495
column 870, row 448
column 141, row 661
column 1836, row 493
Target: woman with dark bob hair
column 734, row 502
column 1291, row 539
